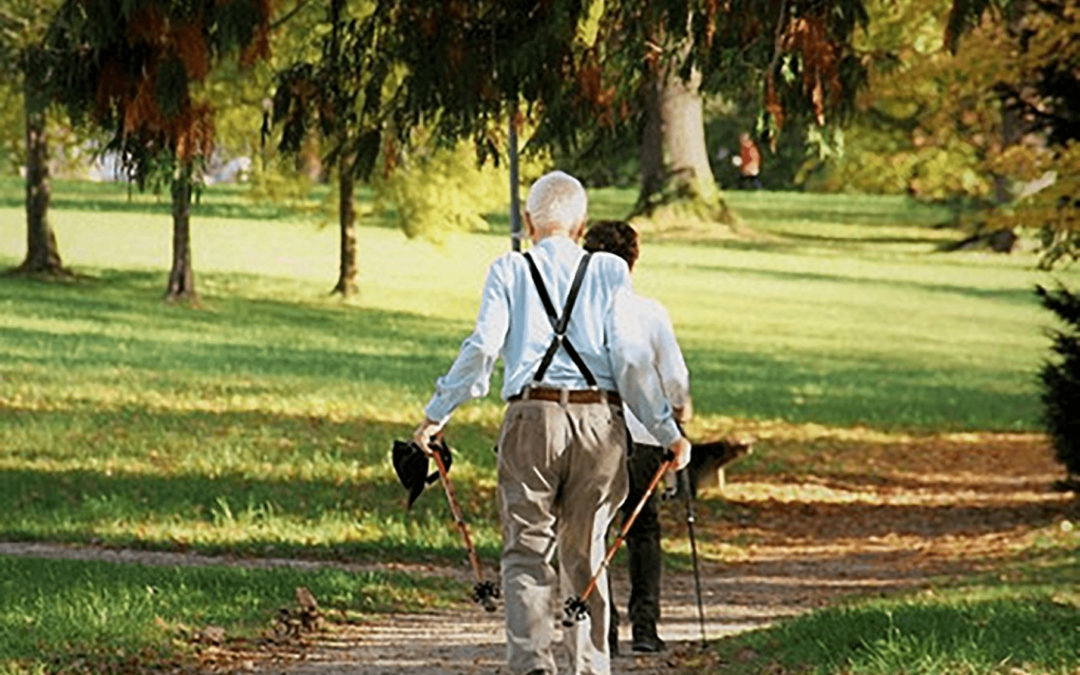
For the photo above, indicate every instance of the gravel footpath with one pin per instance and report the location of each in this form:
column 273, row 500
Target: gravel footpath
column 736, row 597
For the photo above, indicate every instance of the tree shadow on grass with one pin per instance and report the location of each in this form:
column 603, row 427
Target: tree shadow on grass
column 148, row 204
column 1023, row 296
column 102, row 323
column 76, row 604
column 838, row 388
column 301, row 485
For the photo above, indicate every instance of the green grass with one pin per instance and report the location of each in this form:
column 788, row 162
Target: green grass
column 220, row 201
column 1028, row 623
column 266, row 417
column 71, row 610
column 262, row 422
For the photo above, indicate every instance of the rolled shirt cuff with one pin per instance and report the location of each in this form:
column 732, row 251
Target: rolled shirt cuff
column 667, row 433
column 438, row 413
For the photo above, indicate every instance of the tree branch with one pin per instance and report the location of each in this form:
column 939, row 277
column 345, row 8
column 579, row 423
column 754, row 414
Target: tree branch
column 779, row 35
column 293, row 12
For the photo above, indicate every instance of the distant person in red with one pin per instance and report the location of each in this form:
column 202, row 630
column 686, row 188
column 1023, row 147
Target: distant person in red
column 749, row 162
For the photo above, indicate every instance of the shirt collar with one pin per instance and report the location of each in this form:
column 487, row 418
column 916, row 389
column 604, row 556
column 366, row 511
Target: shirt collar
column 558, row 245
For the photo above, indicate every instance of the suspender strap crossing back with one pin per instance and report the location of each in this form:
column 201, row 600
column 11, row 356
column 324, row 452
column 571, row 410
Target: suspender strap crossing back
column 560, row 323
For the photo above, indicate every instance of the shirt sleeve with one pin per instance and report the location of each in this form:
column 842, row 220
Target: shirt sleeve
column 470, row 375
column 674, row 375
column 631, row 353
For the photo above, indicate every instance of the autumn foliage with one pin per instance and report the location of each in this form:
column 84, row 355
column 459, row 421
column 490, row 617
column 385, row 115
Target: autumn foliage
column 130, row 66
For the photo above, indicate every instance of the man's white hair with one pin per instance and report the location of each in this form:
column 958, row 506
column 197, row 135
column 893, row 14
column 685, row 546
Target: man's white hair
column 556, row 203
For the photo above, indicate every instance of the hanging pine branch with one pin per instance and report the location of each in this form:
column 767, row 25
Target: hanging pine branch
column 1060, row 379
column 129, row 67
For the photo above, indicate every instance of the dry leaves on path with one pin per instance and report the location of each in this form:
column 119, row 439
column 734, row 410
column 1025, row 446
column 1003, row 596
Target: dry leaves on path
column 815, row 518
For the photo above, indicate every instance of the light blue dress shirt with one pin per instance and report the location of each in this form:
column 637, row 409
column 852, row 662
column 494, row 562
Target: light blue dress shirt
column 668, row 361
column 605, row 328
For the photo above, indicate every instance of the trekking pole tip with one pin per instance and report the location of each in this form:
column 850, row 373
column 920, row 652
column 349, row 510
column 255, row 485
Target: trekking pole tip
column 576, row 610
column 485, row 593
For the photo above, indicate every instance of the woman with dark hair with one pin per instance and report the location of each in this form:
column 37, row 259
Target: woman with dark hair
column 646, row 454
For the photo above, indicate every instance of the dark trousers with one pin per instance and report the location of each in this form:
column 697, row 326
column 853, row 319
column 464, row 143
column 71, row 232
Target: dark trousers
column 642, row 540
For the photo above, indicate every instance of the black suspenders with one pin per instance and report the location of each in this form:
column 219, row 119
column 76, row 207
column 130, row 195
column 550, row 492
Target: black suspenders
column 560, row 323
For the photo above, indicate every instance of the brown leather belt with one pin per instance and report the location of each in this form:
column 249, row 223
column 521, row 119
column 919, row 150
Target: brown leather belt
column 572, row 395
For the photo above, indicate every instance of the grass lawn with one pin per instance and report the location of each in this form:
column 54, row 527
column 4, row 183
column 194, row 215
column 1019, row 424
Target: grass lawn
column 262, row 422
column 99, row 615
column 981, row 628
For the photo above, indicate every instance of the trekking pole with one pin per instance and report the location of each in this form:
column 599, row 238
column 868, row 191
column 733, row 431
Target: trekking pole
column 684, row 477
column 484, row 592
column 575, row 608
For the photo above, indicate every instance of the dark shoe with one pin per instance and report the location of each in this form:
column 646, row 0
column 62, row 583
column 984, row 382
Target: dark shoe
column 646, row 640
column 613, row 632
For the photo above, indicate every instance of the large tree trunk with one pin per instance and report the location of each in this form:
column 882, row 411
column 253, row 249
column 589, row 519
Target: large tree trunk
column 42, row 253
column 346, row 284
column 182, row 277
column 675, row 167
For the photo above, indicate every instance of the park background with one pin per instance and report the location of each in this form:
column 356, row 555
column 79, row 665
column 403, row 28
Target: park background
column 241, row 398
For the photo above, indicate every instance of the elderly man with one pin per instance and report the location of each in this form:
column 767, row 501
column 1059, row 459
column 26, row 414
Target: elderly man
column 646, row 456
column 573, row 350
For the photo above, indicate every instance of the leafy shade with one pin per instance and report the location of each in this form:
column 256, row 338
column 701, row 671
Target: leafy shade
column 798, row 54
column 129, row 68
column 964, row 16
column 1029, row 63
column 565, row 68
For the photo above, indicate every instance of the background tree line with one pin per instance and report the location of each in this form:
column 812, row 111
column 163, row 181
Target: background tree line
column 972, row 101
column 969, row 101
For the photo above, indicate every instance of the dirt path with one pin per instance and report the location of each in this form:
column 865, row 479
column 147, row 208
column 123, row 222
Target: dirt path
column 881, row 515
column 736, row 597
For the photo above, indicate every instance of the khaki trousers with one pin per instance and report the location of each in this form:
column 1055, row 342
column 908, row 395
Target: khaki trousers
column 562, row 478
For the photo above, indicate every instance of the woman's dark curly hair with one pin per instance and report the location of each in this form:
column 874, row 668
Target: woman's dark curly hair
column 613, row 236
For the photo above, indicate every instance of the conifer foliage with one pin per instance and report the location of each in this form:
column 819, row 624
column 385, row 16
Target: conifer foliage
column 1061, row 380
column 565, row 69
column 129, row 67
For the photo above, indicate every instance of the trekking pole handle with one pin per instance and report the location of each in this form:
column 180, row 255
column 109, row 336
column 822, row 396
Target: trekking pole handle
column 575, row 607
column 483, row 592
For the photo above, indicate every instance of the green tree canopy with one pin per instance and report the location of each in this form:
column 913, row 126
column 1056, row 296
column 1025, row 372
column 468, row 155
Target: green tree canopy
column 131, row 68
column 1028, row 55
column 568, row 70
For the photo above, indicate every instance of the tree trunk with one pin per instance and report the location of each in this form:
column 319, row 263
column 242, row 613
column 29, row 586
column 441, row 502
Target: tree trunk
column 42, row 253
column 674, row 159
column 346, row 284
column 182, row 277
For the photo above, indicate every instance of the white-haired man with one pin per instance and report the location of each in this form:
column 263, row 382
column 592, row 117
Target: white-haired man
column 563, row 323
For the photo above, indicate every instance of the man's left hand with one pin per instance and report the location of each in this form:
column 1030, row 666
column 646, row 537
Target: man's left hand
column 423, row 434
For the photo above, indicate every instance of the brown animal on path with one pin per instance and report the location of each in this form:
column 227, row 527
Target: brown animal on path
column 707, row 460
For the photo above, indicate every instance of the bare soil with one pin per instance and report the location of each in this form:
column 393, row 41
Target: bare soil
column 878, row 514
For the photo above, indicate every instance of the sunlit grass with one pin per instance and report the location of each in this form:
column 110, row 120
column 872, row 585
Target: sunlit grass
column 1023, row 620
column 261, row 423
column 59, row 611
column 283, row 401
